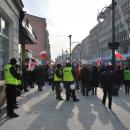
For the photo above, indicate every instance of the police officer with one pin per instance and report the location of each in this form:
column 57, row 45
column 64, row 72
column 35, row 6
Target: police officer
column 11, row 82
column 68, row 79
column 127, row 80
column 58, row 76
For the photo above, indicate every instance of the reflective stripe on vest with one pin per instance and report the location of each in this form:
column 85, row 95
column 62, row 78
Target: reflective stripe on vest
column 57, row 78
column 9, row 79
column 67, row 74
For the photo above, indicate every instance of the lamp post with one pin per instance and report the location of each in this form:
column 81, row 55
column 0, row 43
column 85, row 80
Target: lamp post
column 64, row 55
column 112, row 45
column 70, row 46
column 81, row 51
column 113, row 34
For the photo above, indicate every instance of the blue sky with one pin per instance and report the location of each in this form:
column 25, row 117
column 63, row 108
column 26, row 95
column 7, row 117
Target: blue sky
column 65, row 17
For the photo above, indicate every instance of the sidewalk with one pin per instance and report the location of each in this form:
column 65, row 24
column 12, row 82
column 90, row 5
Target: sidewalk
column 41, row 111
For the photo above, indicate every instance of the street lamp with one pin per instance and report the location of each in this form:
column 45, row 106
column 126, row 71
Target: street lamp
column 64, row 55
column 70, row 46
column 112, row 45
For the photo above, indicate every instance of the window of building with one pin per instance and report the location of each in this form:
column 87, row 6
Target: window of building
column 129, row 25
column 129, row 3
column 4, row 45
column 128, row 36
column 129, row 15
column 4, row 26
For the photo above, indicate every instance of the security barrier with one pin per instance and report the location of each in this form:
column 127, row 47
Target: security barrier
column 2, row 94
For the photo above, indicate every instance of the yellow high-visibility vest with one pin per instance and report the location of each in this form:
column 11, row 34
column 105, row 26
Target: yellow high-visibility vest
column 9, row 78
column 57, row 78
column 126, row 74
column 19, row 82
column 67, row 74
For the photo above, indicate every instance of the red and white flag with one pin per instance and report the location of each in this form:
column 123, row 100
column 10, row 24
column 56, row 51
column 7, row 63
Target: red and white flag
column 118, row 55
column 43, row 55
column 99, row 61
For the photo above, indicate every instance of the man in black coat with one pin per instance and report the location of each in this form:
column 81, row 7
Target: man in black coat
column 108, row 80
column 85, row 79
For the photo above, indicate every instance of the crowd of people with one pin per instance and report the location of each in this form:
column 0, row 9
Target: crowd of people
column 85, row 78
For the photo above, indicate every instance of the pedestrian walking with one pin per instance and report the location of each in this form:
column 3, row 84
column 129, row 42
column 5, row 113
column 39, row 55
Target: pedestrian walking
column 108, row 81
column 19, row 87
column 76, row 69
column 119, row 76
column 40, row 76
column 50, row 74
column 95, row 80
column 85, row 79
column 25, row 77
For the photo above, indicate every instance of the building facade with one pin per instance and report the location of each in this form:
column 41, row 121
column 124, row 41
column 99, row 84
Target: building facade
column 101, row 34
column 40, row 28
column 85, row 50
column 9, row 31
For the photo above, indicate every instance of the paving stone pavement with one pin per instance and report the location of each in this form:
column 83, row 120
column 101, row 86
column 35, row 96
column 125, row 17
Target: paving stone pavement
column 41, row 111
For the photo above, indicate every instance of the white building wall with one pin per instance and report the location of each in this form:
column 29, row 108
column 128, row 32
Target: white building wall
column 11, row 13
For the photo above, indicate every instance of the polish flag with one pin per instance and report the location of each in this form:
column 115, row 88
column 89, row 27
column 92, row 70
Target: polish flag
column 43, row 55
column 99, row 61
column 31, row 65
column 118, row 55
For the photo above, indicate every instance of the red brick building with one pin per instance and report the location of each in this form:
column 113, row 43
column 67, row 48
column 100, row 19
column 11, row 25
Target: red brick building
column 40, row 27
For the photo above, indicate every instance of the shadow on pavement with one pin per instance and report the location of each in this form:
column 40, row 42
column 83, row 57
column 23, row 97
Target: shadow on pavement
column 3, row 116
column 41, row 111
column 123, row 102
column 51, row 114
column 85, row 116
column 118, row 125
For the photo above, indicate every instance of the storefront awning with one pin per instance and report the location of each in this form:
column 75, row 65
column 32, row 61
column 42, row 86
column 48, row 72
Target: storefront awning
column 26, row 32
